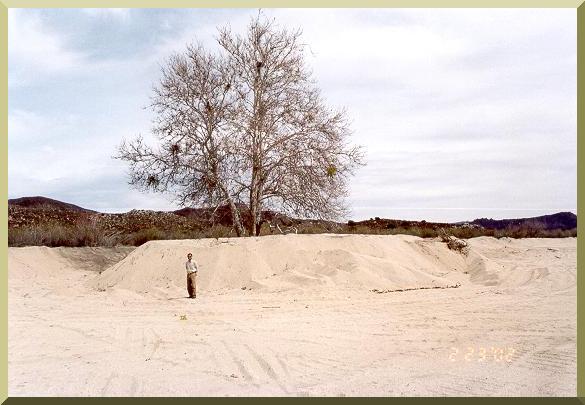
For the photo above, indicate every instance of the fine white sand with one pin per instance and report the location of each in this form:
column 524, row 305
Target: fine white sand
column 295, row 315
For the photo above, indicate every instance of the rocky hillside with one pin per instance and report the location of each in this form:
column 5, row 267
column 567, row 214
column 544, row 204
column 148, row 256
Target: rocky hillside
column 132, row 221
column 40, row 220
column 44, row 221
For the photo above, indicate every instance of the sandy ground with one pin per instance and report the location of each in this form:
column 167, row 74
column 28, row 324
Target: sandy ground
column 89, row 322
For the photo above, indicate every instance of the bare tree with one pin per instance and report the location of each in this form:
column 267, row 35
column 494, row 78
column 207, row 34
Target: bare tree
column 295, row 147
column 247, row 127
column 194, row 160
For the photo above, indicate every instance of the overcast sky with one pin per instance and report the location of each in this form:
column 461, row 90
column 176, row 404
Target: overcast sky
column 462, row 113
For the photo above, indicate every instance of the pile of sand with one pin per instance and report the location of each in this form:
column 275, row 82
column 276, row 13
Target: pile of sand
column 517, row 263
column 297, row 262
column 288, row 262
column 45, row 270
column 301, row 330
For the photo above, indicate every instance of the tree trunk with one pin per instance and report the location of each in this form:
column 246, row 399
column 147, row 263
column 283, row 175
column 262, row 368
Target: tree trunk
column 253, row 205
column 236, row 219
column 258, row 217
column 256, row 187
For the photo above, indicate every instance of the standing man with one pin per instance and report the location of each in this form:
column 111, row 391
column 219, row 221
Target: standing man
column 191, row 268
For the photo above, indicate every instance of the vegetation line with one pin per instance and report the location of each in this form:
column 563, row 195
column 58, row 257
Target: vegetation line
column 375, row 290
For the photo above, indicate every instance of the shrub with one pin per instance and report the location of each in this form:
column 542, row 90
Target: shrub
column 313, row 229
column 217, row 231
column 82, row 234
column 145, row 235
column 92, row 233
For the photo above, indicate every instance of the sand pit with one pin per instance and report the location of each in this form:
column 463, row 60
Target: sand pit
column 116, row 321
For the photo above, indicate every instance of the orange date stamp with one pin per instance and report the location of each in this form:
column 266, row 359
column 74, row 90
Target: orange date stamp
column 482, row 354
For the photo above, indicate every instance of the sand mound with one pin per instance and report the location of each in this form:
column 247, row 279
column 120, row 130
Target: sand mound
column 299, row 263
column 42, row 270
column 35, row 262
column 45, row 263
column 522, row 262
column 287, row 262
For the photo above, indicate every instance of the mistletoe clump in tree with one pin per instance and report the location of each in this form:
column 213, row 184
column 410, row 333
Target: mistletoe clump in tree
column 246, row 126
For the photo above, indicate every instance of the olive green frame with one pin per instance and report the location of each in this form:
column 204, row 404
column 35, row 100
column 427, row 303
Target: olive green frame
column 5, row 4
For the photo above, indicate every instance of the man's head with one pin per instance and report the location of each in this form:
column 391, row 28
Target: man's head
column 189, row 256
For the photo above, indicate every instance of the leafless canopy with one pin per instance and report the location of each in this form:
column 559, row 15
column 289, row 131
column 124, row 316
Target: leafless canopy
column 246, row 127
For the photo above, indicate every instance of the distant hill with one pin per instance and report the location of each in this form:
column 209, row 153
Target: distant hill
column 561, row 220
column 45, row 203
column 45, row 221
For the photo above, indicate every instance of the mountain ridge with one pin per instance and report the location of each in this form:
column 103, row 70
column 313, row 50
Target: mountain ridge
column 561, row 220
column 45, row 221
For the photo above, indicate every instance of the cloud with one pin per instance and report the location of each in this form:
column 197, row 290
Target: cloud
column 122, row 14
column 41, row 51
column 196, row 27
column 483, row 117
column 459, row 110
column 63, row 155
column 35, row 48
